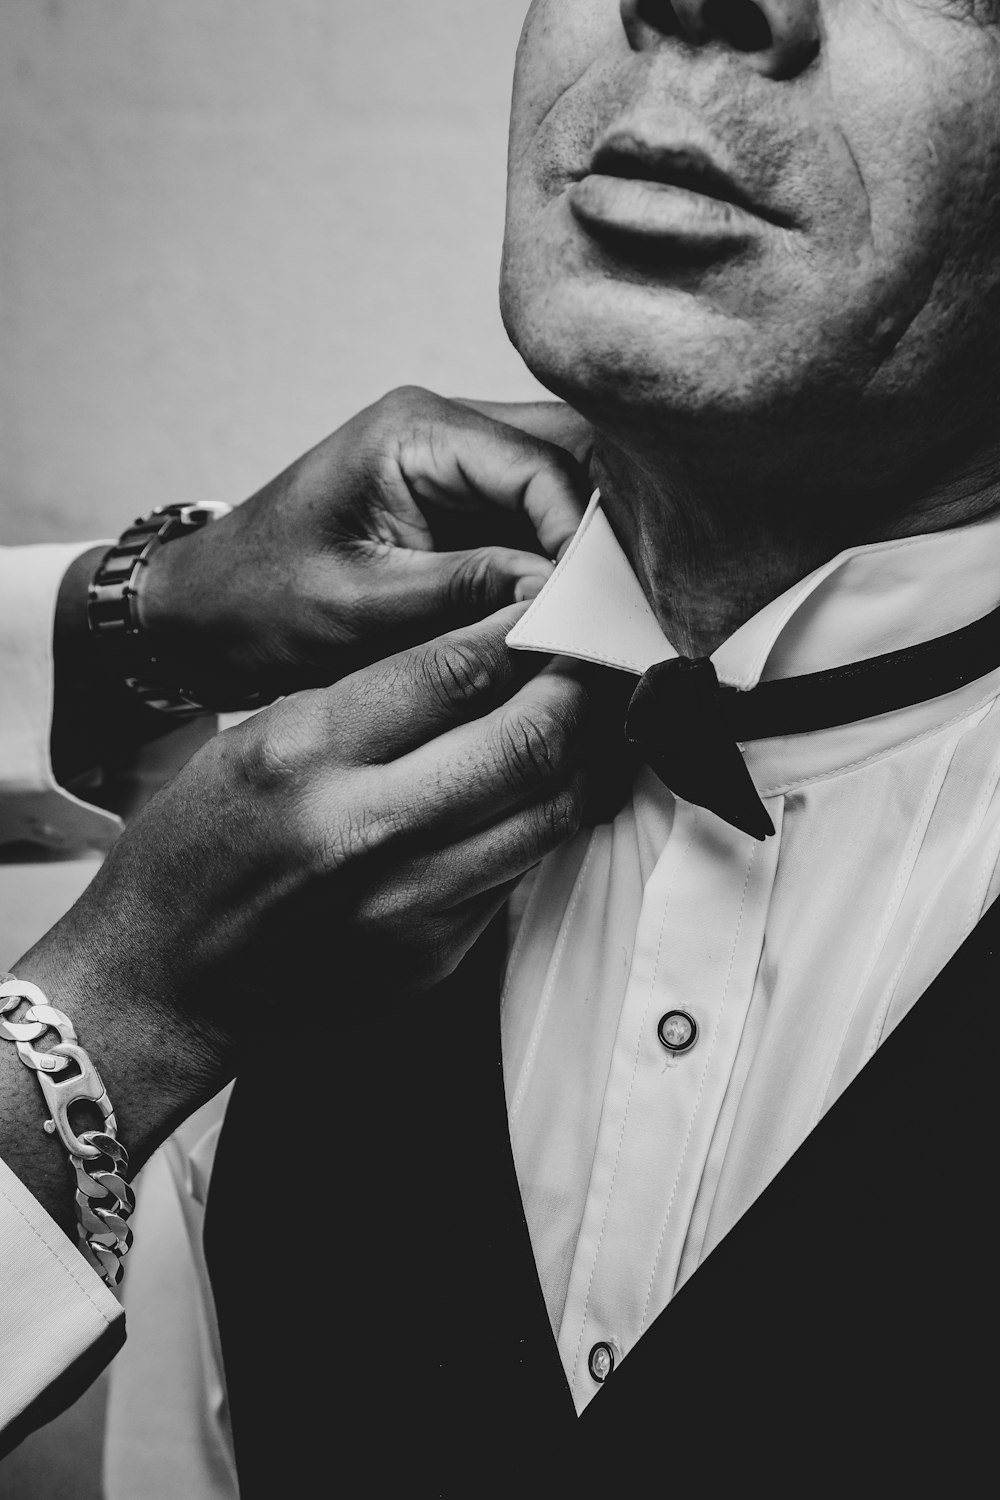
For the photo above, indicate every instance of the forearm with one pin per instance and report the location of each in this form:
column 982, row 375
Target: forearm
column 157, row 1069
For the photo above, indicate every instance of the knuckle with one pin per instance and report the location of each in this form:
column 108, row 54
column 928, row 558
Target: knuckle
column 406, row 396
column 404, row 405
column 561, row 816
column 350, row 836
column 325, row 812
column 551, row 823
column 528, row 748
column 473, row 579
column 536, row 741
column 456, row 672
column 278, row 746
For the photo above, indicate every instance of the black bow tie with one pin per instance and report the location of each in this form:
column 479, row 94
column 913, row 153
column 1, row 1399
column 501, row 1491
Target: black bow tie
column 688, row 726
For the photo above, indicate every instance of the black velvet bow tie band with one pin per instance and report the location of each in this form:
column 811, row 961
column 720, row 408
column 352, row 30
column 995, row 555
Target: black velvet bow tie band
column 689, row 726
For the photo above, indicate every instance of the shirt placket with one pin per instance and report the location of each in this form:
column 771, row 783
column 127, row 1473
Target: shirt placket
column 697, row 949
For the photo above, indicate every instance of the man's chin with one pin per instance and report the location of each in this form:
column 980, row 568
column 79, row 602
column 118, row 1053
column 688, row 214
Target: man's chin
column 618, row 378
column 620, row 351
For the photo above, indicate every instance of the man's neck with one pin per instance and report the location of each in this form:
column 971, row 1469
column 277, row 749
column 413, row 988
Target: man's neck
column 711, row 554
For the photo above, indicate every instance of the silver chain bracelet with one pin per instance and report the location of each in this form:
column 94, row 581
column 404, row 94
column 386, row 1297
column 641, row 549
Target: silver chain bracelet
column 104, row 1199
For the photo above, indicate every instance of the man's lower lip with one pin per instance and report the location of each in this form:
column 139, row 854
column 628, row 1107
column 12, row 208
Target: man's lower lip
column 654, row 211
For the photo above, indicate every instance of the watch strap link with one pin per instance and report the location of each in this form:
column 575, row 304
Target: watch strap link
column 113, row 615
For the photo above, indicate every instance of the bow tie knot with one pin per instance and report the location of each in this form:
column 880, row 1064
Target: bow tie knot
column 689, row 726
column 678, row 719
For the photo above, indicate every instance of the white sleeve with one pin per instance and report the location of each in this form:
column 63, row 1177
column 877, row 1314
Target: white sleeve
column 34, row 809
column 59, row 1323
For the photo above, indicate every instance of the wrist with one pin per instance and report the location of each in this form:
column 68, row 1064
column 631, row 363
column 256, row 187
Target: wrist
column 97, row 724
column 158, row 1065
column 172, row 614
column 80, row 1116
column 140, row 628
column 25, row 1145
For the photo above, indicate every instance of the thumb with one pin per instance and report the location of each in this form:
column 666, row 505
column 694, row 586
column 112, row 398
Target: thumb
column 436, row 591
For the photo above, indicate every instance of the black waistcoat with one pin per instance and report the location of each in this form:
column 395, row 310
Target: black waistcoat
column 384, row 1330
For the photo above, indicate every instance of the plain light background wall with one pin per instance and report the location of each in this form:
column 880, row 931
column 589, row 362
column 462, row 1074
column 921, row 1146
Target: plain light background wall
column 225, row 225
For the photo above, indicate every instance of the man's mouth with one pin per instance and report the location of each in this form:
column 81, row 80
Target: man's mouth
column 687, row 167
column 667, row 195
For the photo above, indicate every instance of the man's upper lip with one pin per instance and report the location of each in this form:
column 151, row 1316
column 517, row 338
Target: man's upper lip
column 623, row 154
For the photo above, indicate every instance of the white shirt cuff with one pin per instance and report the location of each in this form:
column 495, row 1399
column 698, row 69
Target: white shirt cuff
column 34, row 809
column 55, row 1307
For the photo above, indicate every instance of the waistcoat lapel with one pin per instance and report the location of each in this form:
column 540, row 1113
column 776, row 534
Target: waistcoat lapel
column 375, row 1286
column 834, row 1337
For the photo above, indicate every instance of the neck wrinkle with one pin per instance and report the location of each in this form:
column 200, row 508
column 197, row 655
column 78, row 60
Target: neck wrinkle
column 705, row 567
column 710, row 557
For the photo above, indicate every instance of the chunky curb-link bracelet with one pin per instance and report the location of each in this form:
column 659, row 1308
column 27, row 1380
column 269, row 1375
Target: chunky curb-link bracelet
column 113, row 618
column 104, row 1199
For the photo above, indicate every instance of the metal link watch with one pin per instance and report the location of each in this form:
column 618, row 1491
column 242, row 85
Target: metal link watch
column 112, row 614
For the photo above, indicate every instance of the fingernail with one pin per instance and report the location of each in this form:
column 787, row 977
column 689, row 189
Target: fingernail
column 529, row 587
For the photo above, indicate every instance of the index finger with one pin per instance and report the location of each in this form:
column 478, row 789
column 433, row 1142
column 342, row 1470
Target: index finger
column 551, row 421
column 457, row 459
column 477, row 772
column 553, row 508
column 412, row 697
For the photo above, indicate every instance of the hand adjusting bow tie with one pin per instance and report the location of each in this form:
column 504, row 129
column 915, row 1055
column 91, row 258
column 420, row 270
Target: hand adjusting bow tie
column 688, row 726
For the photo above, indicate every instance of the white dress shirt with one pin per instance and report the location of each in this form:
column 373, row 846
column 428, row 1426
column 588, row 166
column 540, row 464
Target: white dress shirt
column 53, row 1307
column 795, row 957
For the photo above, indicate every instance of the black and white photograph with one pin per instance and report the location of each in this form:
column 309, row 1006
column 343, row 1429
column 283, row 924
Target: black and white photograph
column 499, row 748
